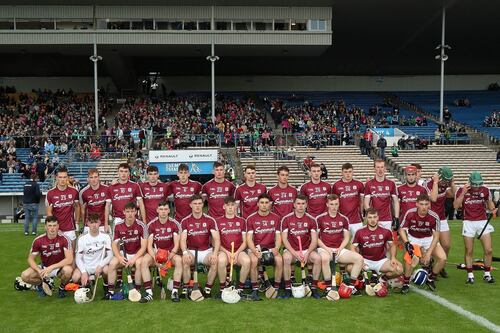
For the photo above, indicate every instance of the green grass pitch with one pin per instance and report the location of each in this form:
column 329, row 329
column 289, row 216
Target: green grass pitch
column 26, row 312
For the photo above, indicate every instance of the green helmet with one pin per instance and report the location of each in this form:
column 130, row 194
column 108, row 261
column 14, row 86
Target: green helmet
column 475, row 179
column 445, row 173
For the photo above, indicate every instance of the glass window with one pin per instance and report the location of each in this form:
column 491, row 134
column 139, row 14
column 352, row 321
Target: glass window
column 299, row 25
column 242, row 25
column 148, row 24
column 190, row 25
column 263, row 25
column 137, row 25
column 119, row 25
column 204, row 25
column 73, row 24
column 35, row 24
column 317, row 25
column 7, row 25
column 222, row 25
column 281, row 25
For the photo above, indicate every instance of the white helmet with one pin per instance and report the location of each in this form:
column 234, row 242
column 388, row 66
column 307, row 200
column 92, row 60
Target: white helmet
column 81, row 295
column 170, row 284
column 230, row 295
column 396, row 283
column 298, row 291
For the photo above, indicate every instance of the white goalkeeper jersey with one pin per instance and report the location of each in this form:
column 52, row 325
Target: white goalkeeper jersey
column 89, row 251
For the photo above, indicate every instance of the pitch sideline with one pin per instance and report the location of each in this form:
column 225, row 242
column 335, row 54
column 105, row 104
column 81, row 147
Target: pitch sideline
column 457, row 309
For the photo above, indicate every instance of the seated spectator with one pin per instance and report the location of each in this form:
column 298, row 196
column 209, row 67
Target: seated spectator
column 324, row 171
column 308, row 161
column 394, row 150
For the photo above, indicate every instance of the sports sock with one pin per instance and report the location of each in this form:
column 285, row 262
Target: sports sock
column 241, row 285
column 177, row 284
column 406, row 280
column 111, row 288
column 487, row 270
column 328, row 284
column 137, row 286
column 255, row 286
column 314, row 284
column 222, row 285
column 432, row 276
column 470, row 272
column 277, row 284
column 288, row 284
column 208, row 285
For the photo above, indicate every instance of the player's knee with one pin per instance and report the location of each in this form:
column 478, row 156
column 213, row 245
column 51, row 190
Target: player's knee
column 222, row 260
column 488, row 251
column 244, row 261
column 66, row 271
column 177, row 261
column 26, row 276
column 468, row 252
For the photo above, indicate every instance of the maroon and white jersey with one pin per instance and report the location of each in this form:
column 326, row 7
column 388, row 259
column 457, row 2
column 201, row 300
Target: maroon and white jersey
column 331, row 229
column 198, row 231
column 248, row 197
column 438, row 206
column 264, row 229
column 420, row 226
column 94, row 201
column 231, row 230
column 299, row 227
column 163, row 233
column 63, row 206
column 380, row 194
column 408, row 197
column 182, row 194
column 131, row 235
column 216, row 192
column 350, row 198
column 316, row 196
column 474, row 204
column 372, row 244
column 152, row 196
column 122, row 194
column 51, row 250
column 283, row 199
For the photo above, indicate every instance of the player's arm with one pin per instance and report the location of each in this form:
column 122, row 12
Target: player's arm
column 79, row 256
column 367, row 201
column 108, row 254
column 176, row 247
column 287, row 245
column 68, row 260
column 150, row 249
column 433, row 194
column 48, row 208
column 250, row 243
column 187, row 257
column 393, row 251
column 277, row 243
column 491, row 206
column 83, row 208
column 322, row 245
column 32, row 262
column 345, row 241
column 459, row 197
column 361, row 203
column 395, row 206
column 76, row 206
column 117, row 253
column 107, row 210
column 403, row 233
column 314, row 243
column 215, row 241
column 435, row 240
column 142, row 209
column 243, row 245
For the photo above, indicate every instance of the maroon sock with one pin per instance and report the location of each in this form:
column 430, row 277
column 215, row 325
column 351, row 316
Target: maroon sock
column 241, row 285
column 288, row 284
column 222, row 285
column 469, row 269
column 137, row 286
column 147, row 285
column 177, row 284
column 255, row 286
column 111, row 288
column 277, row 284
column 352, row 281
column 487, row 268
column 208, row 285
column 314, row 284
column 406, row 280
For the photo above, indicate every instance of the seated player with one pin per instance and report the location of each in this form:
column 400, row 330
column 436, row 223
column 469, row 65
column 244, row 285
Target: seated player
column 93, row 253
column 421, row 227
column 164, row 233
column 199, row 232
column 333, row 238
column 56, row 256
column 133, row 233
column 294, row 225
column 232, row 228
column 372, row 242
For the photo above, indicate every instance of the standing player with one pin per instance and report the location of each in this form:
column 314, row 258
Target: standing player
column 199, row 232
column 263, row 232
column 182, row 190
column 56, row 256
column 315, row 191
column 216, row 190
column 232, row 228
column 408, row 193
column 333, row 239
column 436, row 188
column 62, row 202
column 420, row 226
column 133, row 233
column 163, row 233
column 93, row 253
column 153, row 192
column 382, row 195
column 474, row 198
column 247, row 193
column 93, row 200
column 351, row 194
column 122, row 192
column 294, row 225
column 372, row 242
column 420, row 180
column 282, row 194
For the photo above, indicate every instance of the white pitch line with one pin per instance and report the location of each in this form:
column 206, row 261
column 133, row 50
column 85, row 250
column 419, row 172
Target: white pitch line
column 455, row 308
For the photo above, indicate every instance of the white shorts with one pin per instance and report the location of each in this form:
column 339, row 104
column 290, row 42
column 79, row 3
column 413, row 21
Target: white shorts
column 375, row 265
column 353, row 228
column 424, row 243
column 52, row 274
column 385, row 224
column 87, row 229
column 90, row 270
column 202, row 255
column 474, row 228
column 70, row 234
column 443, row 226
column 338, row 255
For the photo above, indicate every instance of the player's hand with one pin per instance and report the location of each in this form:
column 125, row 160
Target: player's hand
column 106, row 228
column 305, row 257
column 235, row 256
column 435, row 178
column 466, row 188
column 275, row 251
column 258, row 254
column 212, row 259
column 131, row 262
column 85, row 278
column 98, row 271
column 114, row 181
column 394, row 262
column 187, row 258
column 45, row 272
column 123, row 261
column 395, row 223
column 426, row 259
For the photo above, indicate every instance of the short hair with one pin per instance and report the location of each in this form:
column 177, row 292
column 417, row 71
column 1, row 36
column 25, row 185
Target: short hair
column 371, row 211
column 62, row 169
column 417, row 165
column 423, row 197
column 218, row 164
column 250, row 167
column 229, row 199
column 183, row 167
column 94, row 217
column 347, row 166
column 124, row 165
column 264, row 196
column 51, row 218
column 130, row 205
column 91, row 171
column 314, row 165
column 378, row 160
column 282, row 168
column 332, row 197
column 152, row 168
column 195, row 197
column 163, row 203
column 300, row 197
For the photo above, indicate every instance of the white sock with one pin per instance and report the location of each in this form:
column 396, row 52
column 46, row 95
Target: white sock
column 470, row 275
column 487, row 273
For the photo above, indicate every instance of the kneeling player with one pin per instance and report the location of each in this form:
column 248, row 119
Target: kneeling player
column 93, row 253
column 56, row 255
column 232, row 229
column 294, row 225
column 372, row 242
column 164, row 233
column 333, row 238
column 133, row 234
column 263, row 232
